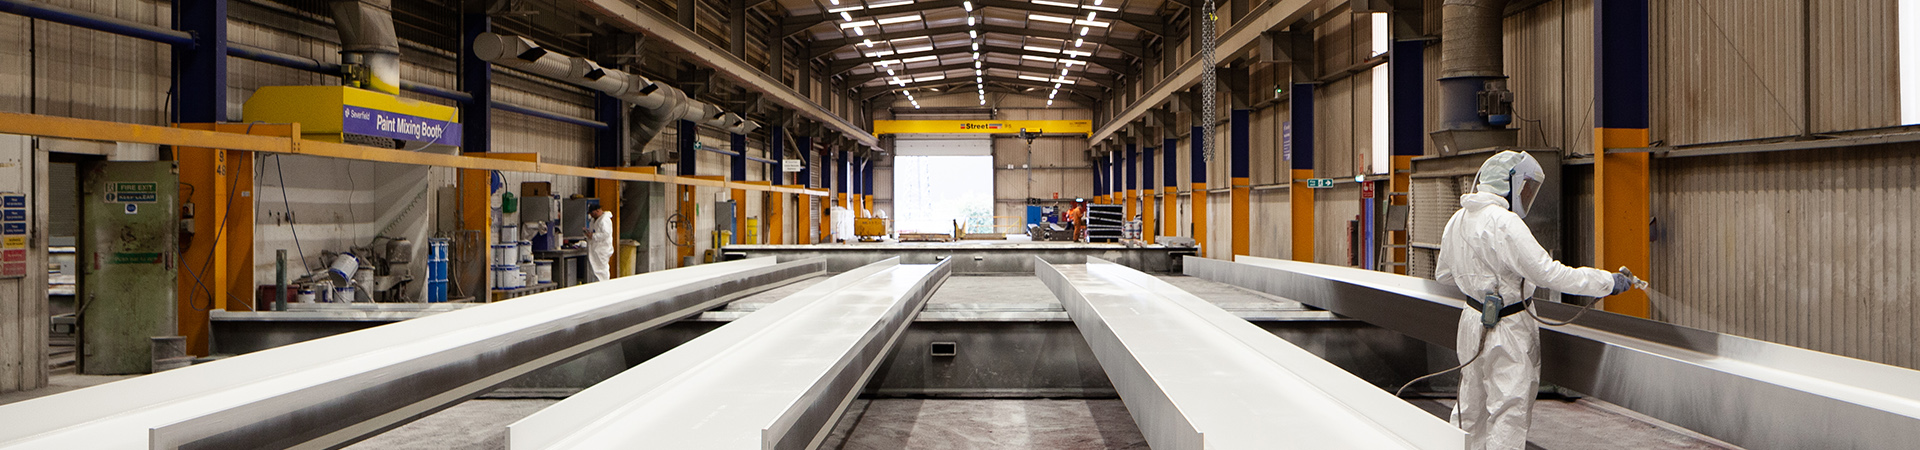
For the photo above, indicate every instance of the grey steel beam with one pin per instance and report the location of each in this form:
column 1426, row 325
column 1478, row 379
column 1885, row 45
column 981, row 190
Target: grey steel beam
column 1095, row 79
column 1264, row 17
column 330, row 392
column 840, row 66
column 1197, row 377
column 632, row 17
column 876, row 91
column 1751, row 393
column 778, row 378
column 821, row 48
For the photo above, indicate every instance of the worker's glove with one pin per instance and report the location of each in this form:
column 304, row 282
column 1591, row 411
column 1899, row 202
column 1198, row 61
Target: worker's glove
column 1622, row 281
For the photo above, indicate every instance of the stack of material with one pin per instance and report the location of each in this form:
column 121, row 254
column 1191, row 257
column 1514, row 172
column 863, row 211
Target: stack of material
column 1104, row 223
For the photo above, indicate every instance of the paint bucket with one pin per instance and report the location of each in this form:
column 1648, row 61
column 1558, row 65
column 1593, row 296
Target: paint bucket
column 437, row 269
column 526, row 251
column 543, row 270
column 345, row 265
column 343, row 294
column 506, row 277
column 509, row 233
column 323, row 291
column 363, row 276
column 305, row 296
column 437, row 248
column 505, row 254
column 527, row 275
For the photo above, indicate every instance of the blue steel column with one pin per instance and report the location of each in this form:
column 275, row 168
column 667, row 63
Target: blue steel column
column 1621, row 195
column 777, row 151
column 689, row 135
column 1148, row 227
column 476, row 78
column 200, row 71
column 1099, row 183
column 1300, row 108
column 739, row 173
column 1406, row 134
column 1170, row 186
column 1128, row 188
column 1240, row 123
column 609, row 144
column 1197, row 201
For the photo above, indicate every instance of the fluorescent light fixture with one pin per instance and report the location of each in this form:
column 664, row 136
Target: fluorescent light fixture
column 1052, row 3
column 857, row 31
column 1039, row 58
column 1090, row 15
column 976, row 64
column 842, row 10
column 889, row 72
column 919, row 59
column 901, row 19
column 867, row 42
column 1056, row 85
column 916, row 49
column 1083, row 31
column 904, row 39
column 1051, row 94
column 1101, row 8
column 879, row 53
column 896, row 79
column 1032, row 78
column 1049, row 102
column 983, row 101
column 969, row 20
column 976, row 46
column 968, row 4
column 863, row 23
column 1095, row 23
column 1095, row 2
column 1076, row 42
column 978, row 79
column 972, row 34
column 836, row 2
column 976, row 56
column 1070, row 53
column 1071, row 62
column 978, row 72
column 1045, row 18
column 1063, row 72
column 886, row 4
column 845, row 16
column 1036, row 48
column 934, row 77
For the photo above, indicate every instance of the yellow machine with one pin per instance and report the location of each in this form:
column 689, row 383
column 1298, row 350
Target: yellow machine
column 870, row 228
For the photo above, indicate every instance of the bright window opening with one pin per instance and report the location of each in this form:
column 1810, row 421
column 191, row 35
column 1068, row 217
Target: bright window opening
column 1382, row 160
column 931, row 192
column 1909, row 56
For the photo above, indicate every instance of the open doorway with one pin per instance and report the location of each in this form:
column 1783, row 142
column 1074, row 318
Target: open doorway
column 931, row 192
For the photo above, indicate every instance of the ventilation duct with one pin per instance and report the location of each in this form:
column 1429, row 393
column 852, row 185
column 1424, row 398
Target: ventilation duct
column 369, row 51
column 655, row 104
column 1475, row 105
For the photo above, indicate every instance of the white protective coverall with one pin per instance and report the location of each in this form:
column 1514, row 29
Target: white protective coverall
column 1486, row 251
column 600, row 246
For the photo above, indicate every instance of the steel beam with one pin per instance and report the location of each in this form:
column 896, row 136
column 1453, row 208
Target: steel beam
column 1171, row 356
column 645, row 20
column 778, row 378
column 1754, row 394
column 334, row 391
column 1265, row 17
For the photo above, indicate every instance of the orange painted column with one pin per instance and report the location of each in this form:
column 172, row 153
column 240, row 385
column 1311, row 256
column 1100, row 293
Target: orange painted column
column 1399, row 193
column 1621, row 211
column 1302, row 210
column 608, row 191
column 217, row 262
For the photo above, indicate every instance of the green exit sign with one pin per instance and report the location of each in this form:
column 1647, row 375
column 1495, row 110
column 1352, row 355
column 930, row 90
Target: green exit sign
column 1319, row 183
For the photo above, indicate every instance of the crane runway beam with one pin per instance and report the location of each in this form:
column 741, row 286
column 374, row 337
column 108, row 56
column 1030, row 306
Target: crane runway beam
column 1747, row 392
column 331, row 392
column 1197, row 377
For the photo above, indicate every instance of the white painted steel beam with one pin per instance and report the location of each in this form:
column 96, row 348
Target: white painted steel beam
column 1264, row 17
column 333, row 391
column 631, row 16
column 1197, row 377
column 778, row 378
column 1750, row 393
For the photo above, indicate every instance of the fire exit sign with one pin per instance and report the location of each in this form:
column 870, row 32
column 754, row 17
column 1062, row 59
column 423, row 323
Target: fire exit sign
column 1319, row 183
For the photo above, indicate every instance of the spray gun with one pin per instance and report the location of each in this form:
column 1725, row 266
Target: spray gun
column 1635, row 281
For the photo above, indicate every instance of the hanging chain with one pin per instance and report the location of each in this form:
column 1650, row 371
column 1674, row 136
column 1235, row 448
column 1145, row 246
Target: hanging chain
column 1209, row 81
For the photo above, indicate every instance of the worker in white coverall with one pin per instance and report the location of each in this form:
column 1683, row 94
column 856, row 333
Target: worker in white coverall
column 600, row 243
column 1488, row 252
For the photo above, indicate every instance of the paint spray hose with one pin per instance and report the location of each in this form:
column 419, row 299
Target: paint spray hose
column 1633, row 281
column 1478, row 349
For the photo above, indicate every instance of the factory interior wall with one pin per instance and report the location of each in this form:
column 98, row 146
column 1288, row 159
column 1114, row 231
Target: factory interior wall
column 23, row 301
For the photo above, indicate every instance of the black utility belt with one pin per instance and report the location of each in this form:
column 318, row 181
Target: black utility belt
column 1509, row 310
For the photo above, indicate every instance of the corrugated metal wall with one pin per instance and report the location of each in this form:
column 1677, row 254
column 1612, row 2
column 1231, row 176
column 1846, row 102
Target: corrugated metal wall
column 1811, row 249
